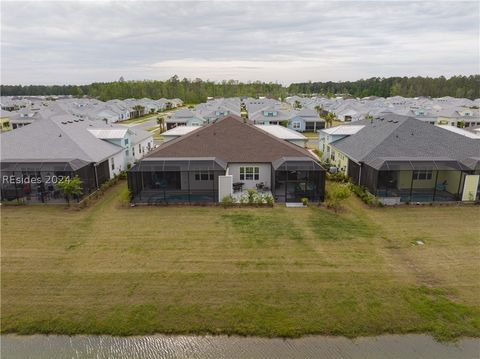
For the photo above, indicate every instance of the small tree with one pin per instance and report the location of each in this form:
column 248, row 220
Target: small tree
column 336, row 194
column 161, row 123
column 330, row 118
column 297, row 104
column 71, row 187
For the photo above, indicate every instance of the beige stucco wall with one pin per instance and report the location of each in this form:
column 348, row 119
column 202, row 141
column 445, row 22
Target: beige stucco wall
column 470, row 187
column 452, row 178
column 341, row 160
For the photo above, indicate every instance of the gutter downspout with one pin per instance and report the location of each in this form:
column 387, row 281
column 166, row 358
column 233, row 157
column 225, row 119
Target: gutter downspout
column 360, row 174
column 96, row 175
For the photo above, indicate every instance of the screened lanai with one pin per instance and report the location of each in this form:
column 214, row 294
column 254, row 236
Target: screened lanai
column 297, row 178
column 414, row 180
column 37, row 181
column 176, row 180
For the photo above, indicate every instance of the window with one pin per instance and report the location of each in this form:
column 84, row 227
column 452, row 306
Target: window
column 296, row 125
column 332, row 157
column 126, row 141
column 113, row 164
column 140, row 148
column 203, row 176
column 249, row 173
column 422, row 175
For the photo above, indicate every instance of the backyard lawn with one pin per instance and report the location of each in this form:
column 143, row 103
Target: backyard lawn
column 258, row 271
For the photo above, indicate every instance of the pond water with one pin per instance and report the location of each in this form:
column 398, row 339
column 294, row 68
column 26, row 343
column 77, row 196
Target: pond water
column 163, row 346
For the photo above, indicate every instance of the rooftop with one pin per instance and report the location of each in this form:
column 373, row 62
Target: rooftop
column 233, row 140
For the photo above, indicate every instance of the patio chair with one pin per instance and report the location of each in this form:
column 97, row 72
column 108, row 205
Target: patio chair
column 260, row 186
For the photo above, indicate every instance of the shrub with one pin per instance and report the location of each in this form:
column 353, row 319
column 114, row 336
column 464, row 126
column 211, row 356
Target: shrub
column 284, row 123
column 336, row 194
column 268, row 199
column 363, row 194
column 252, row 196
column 338, row 177
column 228, row 201
column 305, row 201
column 71, row 187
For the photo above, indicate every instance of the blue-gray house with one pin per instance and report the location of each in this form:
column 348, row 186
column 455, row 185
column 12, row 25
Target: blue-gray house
column 306, row 120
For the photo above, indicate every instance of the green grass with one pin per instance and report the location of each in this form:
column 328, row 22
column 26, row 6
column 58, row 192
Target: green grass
column 109, row 269
column 141, row 119
column 311, row 135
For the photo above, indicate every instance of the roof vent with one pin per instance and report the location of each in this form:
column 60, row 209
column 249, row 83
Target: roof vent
column 395, row 121
column 64, row 122
column 390, row 120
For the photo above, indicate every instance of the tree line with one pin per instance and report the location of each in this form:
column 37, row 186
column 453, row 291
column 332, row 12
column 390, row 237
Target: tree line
column 197, row 90
column 456, row 86
column 190, row 91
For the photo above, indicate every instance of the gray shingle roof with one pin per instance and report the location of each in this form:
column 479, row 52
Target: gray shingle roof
column 53, row 138
column 403, row 138
column 232, row 140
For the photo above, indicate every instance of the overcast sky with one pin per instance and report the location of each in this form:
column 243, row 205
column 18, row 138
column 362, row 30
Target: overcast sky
column 289, row 41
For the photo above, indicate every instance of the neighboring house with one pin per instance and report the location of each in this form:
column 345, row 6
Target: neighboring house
column 461, row 131
column 332, row 134
column 176, row 102
column 306, row 120
column 269, row 116
column 35, row 157
column 5, row 121
column 142, row 143
column 400, row 159
column 176, row 132
column 184, row 117
column 285, row 134
column 230, row 154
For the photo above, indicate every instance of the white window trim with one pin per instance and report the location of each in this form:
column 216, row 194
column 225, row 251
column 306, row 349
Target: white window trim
column 417, row 173
column 244, row 174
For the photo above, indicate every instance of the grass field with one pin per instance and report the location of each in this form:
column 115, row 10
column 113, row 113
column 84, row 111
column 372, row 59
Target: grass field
column 257, row 271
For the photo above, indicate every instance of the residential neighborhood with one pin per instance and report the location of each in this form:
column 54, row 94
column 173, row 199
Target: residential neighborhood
column 240, row 179
column 399, row 158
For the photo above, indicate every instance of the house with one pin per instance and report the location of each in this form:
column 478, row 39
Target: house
column 176, row 102
column 400, row 159
column 176, row 132
column 461, row 131
column 224, row 157
column 35, row 157
column 306, row 120
column 270, row 115
column 5, row 121
column 274, row 130
column 333, row 134
column 184, row 117
column 285, row 134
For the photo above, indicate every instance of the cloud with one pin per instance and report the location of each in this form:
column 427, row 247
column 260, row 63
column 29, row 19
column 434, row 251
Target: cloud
column 286, row 41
